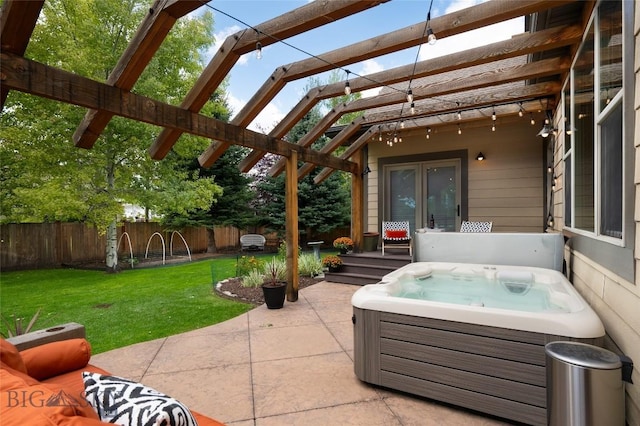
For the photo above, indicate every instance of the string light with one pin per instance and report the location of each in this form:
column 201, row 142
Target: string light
column 413, row 108
column 493, row 127
column 428, row 132
column 493, row 115
column 409, row 95
column 431, row 37
column 347, row 87
column 402, row 124
column 533, row 122
column 258, row 50
column 459, row 130
column 459, row 115
column 520, row 111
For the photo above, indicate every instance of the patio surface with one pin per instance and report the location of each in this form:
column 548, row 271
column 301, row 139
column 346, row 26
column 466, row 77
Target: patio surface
column 292, row 366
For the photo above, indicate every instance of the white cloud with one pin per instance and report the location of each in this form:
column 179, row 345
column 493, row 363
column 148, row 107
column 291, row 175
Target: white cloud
column 371, row 66
column 470, row 39
column 220, row 37
column 265, row 121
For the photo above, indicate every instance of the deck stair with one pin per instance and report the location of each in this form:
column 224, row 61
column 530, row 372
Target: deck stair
column 366, row 268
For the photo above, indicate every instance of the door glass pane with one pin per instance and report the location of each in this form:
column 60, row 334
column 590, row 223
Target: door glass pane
column 441, row 197
column 402, row 202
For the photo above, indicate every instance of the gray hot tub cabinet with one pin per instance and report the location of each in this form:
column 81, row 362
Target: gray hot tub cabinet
column 493, row 370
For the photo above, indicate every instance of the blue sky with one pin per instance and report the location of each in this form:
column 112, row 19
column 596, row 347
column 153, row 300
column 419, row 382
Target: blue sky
column 249, row 73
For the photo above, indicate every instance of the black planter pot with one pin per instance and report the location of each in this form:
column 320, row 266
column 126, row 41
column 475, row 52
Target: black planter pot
column 274, row 295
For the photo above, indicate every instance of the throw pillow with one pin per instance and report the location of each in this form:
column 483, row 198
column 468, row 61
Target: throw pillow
column 122, row 401
column 9, row 355
column 55, row 358
column 402, row 233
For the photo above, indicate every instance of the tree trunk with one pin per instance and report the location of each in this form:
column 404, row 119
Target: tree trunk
column 211, row 241
column 112, row 248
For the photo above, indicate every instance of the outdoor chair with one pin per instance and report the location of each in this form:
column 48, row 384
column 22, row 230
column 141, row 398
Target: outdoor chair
column 252, row 242
column 396, row 235
column 468, row 226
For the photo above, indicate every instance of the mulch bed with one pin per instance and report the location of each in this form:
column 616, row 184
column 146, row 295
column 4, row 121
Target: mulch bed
column 234, row 290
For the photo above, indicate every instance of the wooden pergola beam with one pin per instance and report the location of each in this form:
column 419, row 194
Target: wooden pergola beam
column 32, row 77
column 18, row 19
column 479, row 100
column 496, row 77
column 444, row 26
column 152, row 31
column 297, row 21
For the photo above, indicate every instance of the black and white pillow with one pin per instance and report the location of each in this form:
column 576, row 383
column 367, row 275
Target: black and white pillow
column 121, row 401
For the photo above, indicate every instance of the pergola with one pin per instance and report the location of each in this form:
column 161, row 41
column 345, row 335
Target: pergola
column 555, row 27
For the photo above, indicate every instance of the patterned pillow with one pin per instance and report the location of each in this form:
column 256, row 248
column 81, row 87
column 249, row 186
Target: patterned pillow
column 121, row 401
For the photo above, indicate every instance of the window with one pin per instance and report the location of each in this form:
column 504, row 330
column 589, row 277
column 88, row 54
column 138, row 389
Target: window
column 594, row 159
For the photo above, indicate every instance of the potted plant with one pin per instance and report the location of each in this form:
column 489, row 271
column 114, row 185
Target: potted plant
column 274, row 287
column 332, row 262
column 344, row 244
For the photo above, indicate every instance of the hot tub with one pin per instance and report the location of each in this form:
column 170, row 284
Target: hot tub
column 469, row 334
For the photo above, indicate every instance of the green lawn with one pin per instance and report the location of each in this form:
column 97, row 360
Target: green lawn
column 121, row 309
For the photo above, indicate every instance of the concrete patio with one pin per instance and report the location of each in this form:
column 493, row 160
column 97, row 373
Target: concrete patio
column 292, row 366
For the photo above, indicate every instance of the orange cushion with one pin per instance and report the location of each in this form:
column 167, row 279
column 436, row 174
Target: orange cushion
column 32, row 405
column 56, row 358
column 10, row 356
column 400, row 233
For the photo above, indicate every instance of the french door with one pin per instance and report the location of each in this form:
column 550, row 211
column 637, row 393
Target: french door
column 419, row 191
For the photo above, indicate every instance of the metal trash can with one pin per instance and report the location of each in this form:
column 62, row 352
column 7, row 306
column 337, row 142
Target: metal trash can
column 584, row 385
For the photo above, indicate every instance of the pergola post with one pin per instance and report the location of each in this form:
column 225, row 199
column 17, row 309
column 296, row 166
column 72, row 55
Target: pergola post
column 291, row 224
column 357, row 200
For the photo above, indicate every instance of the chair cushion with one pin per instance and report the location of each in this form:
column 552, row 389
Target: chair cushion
column 55, row 358
column 400, row 234
column 121, row 401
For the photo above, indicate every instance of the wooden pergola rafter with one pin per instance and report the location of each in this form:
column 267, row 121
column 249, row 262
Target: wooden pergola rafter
column 458, row 22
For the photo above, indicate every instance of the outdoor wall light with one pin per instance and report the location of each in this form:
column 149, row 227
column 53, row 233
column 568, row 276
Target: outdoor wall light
column 480, row 156
column 546, row 131
column 366, row 171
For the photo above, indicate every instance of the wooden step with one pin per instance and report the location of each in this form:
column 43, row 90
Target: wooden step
column 366, row 268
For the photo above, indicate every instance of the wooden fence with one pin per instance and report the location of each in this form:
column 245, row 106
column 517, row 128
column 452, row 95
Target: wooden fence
column 52, row 245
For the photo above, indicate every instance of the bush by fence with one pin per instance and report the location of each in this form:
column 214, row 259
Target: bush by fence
column 51, row 245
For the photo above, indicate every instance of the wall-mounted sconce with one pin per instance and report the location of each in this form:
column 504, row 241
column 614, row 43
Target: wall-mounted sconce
column 546, row 130
column 550, row 221
column 480, row 156
column 366, row 171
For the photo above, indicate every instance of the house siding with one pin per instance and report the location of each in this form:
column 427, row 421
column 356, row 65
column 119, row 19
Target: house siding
column 615, row 299
column 507, row 188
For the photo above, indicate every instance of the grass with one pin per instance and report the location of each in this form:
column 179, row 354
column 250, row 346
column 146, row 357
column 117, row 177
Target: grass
column 125, row 308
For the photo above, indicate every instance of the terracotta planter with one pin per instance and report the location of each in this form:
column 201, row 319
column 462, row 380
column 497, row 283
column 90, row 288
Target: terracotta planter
column 274, row 295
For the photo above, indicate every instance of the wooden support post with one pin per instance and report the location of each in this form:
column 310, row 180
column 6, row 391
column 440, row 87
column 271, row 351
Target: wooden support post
column 291, row 225
column 357, row 200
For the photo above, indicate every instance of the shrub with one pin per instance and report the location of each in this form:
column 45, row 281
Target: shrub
column 254, row 278
column 247, row 264
column 331, row 261
column 275, row 270
column 308, row 265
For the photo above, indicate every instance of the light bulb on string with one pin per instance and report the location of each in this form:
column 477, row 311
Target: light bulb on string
column 402, row 124
column 520, row 111
column 409, row 95
column 459, row 130
column 428, row 132
column 258, row 50
column 413, row 108
column 533, row 122
column 493, row 114
column 347, row 87
column 459, row 114
column 493, row 127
